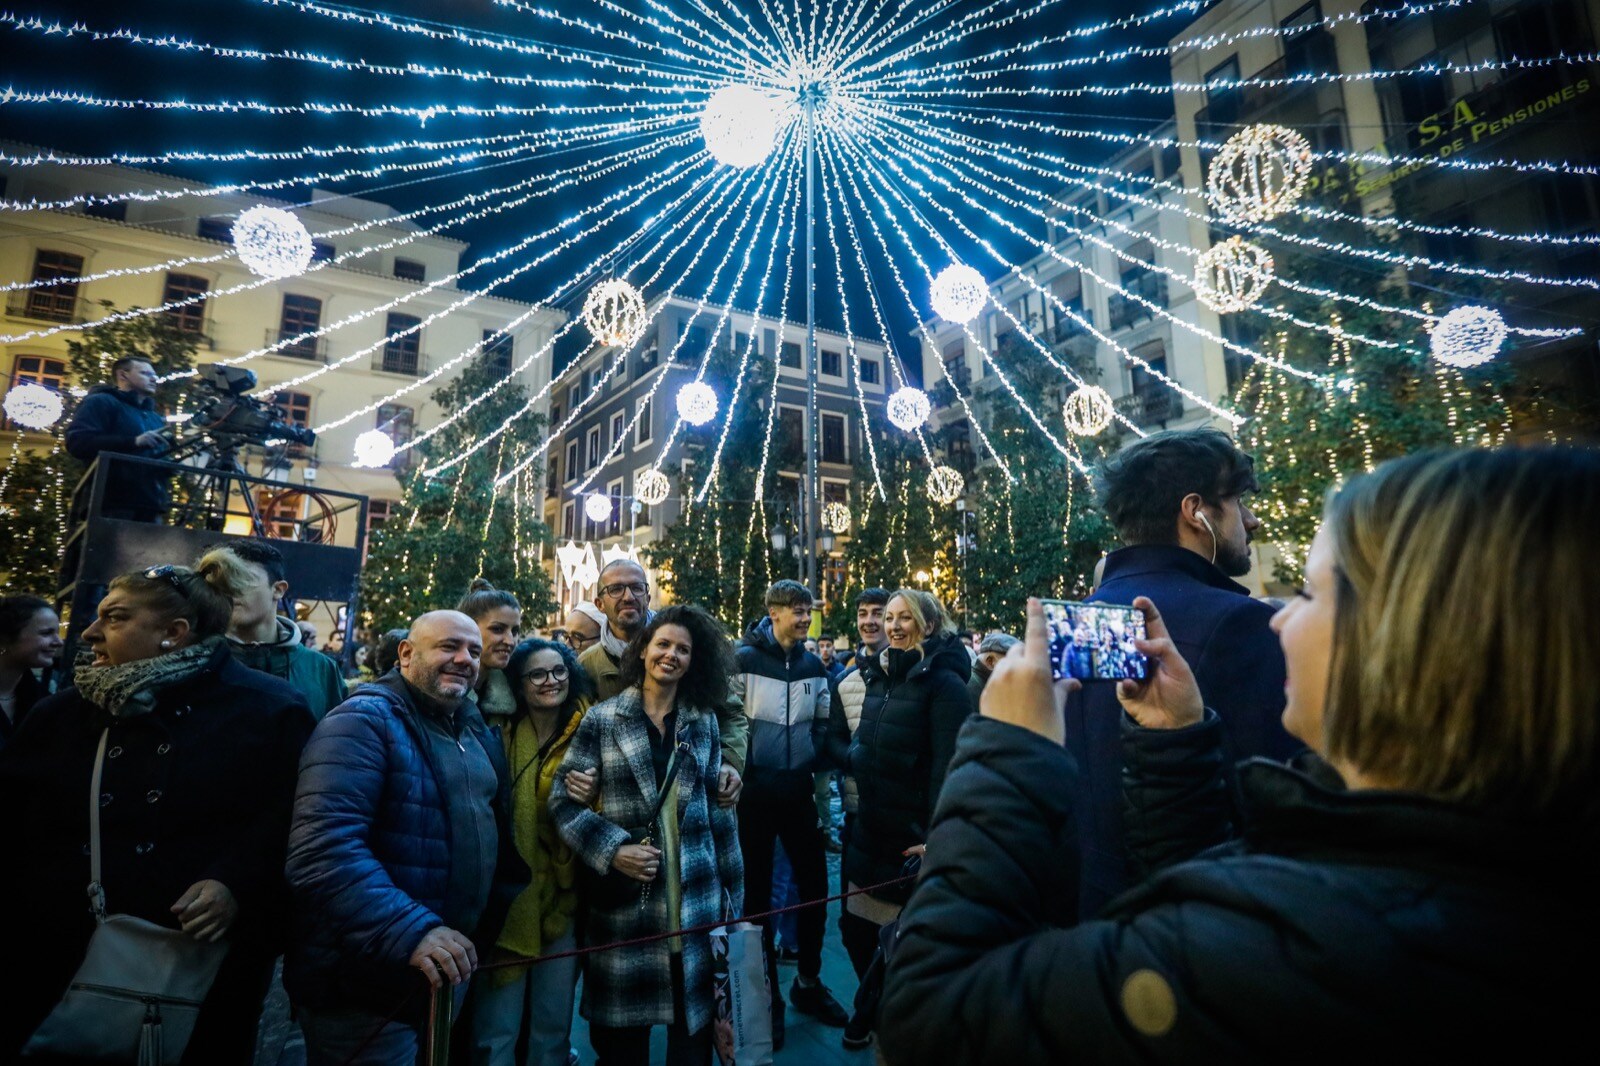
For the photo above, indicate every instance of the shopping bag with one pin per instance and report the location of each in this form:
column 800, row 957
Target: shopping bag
column 742, row 1027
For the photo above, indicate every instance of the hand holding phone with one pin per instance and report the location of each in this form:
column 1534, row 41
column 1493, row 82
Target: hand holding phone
column 1168, row 697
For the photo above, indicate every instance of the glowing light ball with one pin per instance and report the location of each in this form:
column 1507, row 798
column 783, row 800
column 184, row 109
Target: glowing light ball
column 1233, row 275
column 374, row 448
column 33, row 406
column 1468, row 336
column 614, row 312
column 740, row 125
column 836, row 518
column 945, row 484
column 597, row 508
column 909, row 408
column 1087, row 411
column 272, row 242
column 651, row 487
column 1259, row 173
column 697, row 403
column 958, row 293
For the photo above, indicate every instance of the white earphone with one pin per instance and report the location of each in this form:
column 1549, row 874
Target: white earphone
column 1202, row 516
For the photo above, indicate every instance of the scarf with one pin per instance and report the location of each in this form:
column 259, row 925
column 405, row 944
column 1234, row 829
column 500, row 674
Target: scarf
column 615, row 645
column 131, row 689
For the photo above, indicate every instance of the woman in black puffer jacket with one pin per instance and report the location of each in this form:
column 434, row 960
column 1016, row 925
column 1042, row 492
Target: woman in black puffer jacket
column 899, row 755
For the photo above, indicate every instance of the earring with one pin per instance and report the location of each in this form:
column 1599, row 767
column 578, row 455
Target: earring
column 166, row 643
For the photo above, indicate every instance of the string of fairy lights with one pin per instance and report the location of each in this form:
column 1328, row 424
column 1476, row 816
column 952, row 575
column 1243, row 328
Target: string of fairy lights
column 706, row 118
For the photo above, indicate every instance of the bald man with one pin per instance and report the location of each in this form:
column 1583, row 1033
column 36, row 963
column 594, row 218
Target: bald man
column 400, row 854
column 583, row 626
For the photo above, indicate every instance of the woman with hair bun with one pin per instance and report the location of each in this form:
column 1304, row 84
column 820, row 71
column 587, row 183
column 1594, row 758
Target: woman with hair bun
column 200, row 760
column 30, row 640
column 499, row 617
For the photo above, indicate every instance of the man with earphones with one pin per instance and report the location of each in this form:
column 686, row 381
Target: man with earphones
column 1179, row 500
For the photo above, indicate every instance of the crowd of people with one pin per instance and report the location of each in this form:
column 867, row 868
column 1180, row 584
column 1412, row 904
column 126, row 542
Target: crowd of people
column 1337, row 824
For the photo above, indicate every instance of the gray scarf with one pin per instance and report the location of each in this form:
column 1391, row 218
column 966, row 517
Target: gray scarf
column 131, row 689
column 615, row 645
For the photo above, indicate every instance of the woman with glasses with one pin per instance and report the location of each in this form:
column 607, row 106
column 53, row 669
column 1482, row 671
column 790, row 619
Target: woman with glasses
column 656, row 739
column 199, row 757
column 534, row 1002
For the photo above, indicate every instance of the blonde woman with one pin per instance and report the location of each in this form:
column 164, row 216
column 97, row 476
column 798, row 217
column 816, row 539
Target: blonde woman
column 1411, row 892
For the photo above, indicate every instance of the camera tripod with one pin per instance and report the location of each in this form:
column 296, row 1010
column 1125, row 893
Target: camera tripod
column 209, row 500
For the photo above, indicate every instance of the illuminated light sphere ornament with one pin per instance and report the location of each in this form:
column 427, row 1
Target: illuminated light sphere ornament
column 32, row 406
column 1233, row 275
column 1468, row 336
column 836, row 517
column 740, row 125
column 272, row 242
column 614, row 312
column 945, row 484
column 374, row 448
column 1259, row 173
column 697, row 403
column 1087, row 411
column 909, row 408
column 958, row 293
column 597, row 507
column 651, row 488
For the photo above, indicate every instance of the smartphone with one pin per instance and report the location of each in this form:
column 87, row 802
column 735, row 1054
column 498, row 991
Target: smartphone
column 1094, row 641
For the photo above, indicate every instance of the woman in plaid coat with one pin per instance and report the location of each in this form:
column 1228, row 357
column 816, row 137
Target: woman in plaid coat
column 676, row 671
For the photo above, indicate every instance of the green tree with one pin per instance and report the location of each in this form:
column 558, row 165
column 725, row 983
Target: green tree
column 451, row 529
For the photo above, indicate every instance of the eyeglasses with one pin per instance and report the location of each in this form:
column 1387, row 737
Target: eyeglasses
column 539, row 675
column 167, row 572
column 616, row 592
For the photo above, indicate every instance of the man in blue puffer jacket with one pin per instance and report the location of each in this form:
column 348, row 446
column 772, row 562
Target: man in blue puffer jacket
column 400, row 855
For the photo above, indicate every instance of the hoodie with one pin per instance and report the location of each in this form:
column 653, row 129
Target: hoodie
column 315, row 675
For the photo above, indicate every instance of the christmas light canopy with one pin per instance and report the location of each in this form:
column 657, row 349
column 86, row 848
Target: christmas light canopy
column 945, row 484
column 615, row 313
column 651, row 488
column 1468, row 336
column 1233, row 275
column 909, row 407
column 597, row 507
column 1259, row 173
column 697, row 403
column 836, row 517
column 374, row 448
column 958, row 293
column 1087, row 411
column 32, row 406
column 272, row 242
column 739, row 125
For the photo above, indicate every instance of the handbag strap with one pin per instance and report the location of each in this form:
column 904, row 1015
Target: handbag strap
column 97, row 892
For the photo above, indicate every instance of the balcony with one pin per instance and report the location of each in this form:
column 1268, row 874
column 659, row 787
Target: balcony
column 1150, row 407
column 393, row 360
column 1126, row 310
column 1306, row 53
column 313, row 349
column 48, row 305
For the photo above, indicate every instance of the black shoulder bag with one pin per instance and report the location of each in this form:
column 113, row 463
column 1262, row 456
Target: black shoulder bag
column 613, row 889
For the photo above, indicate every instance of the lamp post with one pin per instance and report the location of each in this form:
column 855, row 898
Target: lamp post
column 963, row 546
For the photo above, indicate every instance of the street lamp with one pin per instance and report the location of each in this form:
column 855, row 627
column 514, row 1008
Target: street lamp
column 922, row 578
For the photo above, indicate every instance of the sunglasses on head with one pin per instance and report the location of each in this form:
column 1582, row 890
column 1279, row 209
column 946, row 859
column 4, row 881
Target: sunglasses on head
column 168, row 573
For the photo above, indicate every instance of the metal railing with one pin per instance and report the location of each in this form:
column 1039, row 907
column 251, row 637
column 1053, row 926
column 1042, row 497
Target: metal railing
column 1150, row 407
column 1126, row 310
column 45, row 305
column 400, row 361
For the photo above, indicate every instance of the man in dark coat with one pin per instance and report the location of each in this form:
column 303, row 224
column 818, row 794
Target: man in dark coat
column 400, row 854
column 1177, row 500
column 122, row 417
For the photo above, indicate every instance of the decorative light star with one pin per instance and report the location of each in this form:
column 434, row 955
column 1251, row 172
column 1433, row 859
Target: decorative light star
column 1087, row 411
column 1259, row 173
column 958, row 293
column 572, row 556
column 1468, row 336
column 1233, row 275
column 651, row 488
column 272, row 242
column 374, row 448
column 33, row 406
column 945, row 484
column 615, row 313
column 697, row 403
column 909, row 408
column 740, row 125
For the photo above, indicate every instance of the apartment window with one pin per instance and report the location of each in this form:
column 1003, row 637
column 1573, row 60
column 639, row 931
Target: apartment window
column 1222, row 78
column 399, row 422
column 497, row 352
column 1302, row 19
column 572, row 460
column 57, row 299
column 40, row 370
column 402, row 348
column 869, row 371
column 791, row 432
column 191, row 317
column 321, row 251
column 594, row 448
column 789, row 355
column 297, row 412
column 644, row 431
column 955, row 364
column 740, row 341
column 614, row 526
column 836, row 492
column 410, row 270
column 301, row 314
column 569, row 525
column 572, row 398
column 832, row 364
column 216, row 229
column 619, row 426
column 833, row 439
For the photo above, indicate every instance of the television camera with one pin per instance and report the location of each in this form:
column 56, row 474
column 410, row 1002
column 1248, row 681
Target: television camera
column 230, row 418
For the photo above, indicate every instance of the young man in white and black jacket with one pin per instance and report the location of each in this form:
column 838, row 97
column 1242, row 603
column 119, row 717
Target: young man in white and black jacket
column 784, row 689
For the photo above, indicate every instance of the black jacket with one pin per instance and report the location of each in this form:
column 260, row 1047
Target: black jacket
column 199, row 788
column 109, row 420
column 900, row 752
column 1223, row 635
column 30, row 693
column 1339, row 927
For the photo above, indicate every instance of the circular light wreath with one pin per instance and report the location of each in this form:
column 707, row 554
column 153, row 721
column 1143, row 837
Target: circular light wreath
column 739, row 125
column 374, row 448
column 945, row 484
column 1087, row 411
column 908, row 408
column 651, row 488
column 836, row 518
column 1468, row 336
column 697, row 403
column 958, row 293
column 597, row 507
column 1233, row 275
column 272, row 242
column 614, row 312
column 32, row 406
column 1259, row 173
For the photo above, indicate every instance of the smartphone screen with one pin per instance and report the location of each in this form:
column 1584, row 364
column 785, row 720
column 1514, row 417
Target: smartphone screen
column 1094, row 641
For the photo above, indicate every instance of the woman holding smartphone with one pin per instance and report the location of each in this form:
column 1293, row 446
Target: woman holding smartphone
column 1409, row 892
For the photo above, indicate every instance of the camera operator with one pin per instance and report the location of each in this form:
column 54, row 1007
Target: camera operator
column 122, row 417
